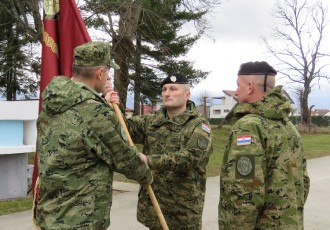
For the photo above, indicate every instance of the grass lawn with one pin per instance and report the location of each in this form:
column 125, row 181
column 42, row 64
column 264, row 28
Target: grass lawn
column 15, row 205
column 315, row 145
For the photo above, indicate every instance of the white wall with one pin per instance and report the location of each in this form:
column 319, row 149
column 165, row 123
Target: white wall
column 14, row 151
column 227, row 103
column 19, row 110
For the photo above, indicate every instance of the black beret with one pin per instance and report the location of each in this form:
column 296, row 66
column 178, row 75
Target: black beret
column 175, row 79
column 256, row 68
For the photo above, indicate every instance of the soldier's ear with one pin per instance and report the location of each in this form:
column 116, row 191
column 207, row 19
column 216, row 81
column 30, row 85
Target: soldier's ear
column 187, row 95
column 99, row 72
column 250, row 87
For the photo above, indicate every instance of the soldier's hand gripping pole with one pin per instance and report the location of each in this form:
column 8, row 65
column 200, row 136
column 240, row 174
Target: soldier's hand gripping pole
column 149, row 189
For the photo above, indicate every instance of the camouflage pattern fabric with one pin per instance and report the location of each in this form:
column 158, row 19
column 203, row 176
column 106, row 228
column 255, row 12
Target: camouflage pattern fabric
column 93, row 54
column 178, row 150
column 80, row 143
column 263, row 181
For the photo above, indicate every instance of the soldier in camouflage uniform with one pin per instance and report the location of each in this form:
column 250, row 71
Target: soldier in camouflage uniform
column 80, row 144
column 177, row 142
column 263, row 180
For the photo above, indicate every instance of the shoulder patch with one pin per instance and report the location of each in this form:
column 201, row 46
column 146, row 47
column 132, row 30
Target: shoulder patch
column 245, row 166
column 202, row 142
column 244, row 140
column 206, row 128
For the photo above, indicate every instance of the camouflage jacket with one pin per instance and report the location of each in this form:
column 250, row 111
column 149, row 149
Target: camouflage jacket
column 263, row 180
column 80, row 143
column 178, row 151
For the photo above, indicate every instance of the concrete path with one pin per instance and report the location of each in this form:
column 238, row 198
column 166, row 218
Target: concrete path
column 123, row 214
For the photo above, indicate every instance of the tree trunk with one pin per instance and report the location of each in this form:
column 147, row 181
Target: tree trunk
column 142, row 109
column 137, row 76
column 9, row 89
column 304, row 105
column 11, row 86
column 123, row 45
column 34, row 5
column 205, row 109
column 122, row 54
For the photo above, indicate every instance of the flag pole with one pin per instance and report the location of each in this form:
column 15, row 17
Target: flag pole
column 149, row 189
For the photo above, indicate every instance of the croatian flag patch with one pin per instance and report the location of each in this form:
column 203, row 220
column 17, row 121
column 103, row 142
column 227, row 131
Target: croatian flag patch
column 244, row 140
column 206, row 128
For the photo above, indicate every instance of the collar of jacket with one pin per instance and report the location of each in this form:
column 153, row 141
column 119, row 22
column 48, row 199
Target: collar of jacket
column 273, row 106
column 161, row 116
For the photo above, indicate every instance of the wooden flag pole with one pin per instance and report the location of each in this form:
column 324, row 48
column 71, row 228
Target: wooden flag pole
column 149, row 189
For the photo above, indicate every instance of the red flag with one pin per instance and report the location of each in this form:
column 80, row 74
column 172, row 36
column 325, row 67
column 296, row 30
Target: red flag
column 63, row 30
column 72, row 31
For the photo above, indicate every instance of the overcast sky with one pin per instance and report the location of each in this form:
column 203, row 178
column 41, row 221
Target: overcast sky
column 237, row 26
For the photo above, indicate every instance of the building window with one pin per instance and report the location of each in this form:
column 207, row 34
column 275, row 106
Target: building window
column 216, row 112
column 226, row 110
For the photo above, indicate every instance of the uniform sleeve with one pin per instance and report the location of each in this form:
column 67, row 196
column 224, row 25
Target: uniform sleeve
column 305, row 176
column 197, row 151
column 106, row 138
column 306, row 180
column 242, row 191
column 136, row 127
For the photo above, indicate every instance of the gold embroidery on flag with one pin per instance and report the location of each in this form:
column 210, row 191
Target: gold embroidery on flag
column 49, row 41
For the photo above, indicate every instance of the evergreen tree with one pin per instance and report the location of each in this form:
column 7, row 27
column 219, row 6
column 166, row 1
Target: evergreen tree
column 146, row 41
column 17, row 65
column 159, row 47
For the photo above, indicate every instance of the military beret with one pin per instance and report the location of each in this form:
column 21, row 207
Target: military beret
column 175, row 79
column 93, row 54
column 256, row 68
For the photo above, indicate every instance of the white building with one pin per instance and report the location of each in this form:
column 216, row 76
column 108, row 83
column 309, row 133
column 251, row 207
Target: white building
column 220, row 106
column 17, row 138
column 157, row 104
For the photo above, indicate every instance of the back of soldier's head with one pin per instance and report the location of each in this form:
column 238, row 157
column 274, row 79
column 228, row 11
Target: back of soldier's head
column 90, row 56
column 261, row 73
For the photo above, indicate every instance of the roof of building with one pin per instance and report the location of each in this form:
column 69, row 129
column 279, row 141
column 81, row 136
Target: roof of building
column 230, row 93
column 320, row 112
column 129, row 109
column 287, row 96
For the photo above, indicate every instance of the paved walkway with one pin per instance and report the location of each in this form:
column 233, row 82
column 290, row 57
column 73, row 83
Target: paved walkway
column 123, row 214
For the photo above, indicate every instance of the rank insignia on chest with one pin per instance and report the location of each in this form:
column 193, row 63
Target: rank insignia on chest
column 244, row 140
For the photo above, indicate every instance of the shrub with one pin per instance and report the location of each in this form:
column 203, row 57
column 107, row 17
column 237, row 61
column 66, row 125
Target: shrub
column 320, row 121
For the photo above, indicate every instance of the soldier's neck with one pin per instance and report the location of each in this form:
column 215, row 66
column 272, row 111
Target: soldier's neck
column 89, row 82
column 174, row 112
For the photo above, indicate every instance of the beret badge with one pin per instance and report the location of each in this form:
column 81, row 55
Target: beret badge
column 173, row 78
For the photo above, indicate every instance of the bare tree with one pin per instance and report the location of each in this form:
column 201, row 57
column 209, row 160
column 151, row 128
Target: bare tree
column 205, row 105
column 299, row 38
